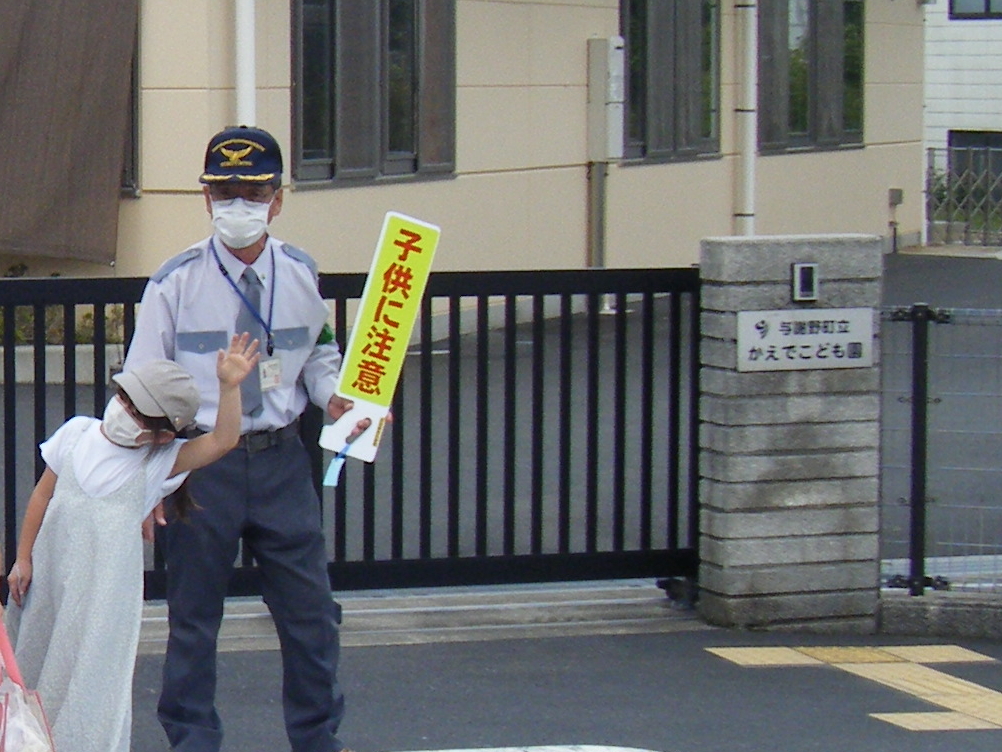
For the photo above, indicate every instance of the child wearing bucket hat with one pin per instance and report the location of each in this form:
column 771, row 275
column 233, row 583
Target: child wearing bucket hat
column 77, row 581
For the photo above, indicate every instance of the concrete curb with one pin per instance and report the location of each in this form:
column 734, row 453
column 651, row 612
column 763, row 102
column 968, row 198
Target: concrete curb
column 953, row 249
column 401, row 617
column 404, row 617
column 940, row 614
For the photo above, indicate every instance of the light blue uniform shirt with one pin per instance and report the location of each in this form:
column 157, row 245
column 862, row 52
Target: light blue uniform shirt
column 189, row 311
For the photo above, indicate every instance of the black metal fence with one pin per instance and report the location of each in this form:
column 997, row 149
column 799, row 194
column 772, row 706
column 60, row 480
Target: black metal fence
column 941, row 449
column 545, row 425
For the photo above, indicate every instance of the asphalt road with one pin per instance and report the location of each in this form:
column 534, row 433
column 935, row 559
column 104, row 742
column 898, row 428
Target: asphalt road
column 664, row 692
column 942, row 281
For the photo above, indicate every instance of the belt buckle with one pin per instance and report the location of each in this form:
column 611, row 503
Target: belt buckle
column 258, row 442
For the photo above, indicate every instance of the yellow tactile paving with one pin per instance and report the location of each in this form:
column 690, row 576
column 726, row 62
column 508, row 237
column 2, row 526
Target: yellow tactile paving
column 851, row 655
column 937, row 654
column 920, row 681
column 967, row 706
column 937, row 721
column 765, row 656
column 987, row 705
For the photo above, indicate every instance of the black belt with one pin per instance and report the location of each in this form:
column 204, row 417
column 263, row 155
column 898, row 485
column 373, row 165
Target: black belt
column 258, row 441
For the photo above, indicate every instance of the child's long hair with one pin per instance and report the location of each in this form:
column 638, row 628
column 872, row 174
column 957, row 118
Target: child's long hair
column 181, row 500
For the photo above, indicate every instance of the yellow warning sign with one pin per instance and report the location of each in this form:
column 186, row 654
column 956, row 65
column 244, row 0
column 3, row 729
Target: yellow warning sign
column 377, row 345
column 390, row 305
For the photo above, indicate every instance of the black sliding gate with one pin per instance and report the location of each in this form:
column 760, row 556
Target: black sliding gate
column 544, row 426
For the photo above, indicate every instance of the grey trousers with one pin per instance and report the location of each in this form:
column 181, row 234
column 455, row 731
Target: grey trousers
column 267, row 499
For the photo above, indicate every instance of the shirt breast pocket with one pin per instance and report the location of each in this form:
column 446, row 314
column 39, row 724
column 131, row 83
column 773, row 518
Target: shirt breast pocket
column 291, row 339
column 202, row 342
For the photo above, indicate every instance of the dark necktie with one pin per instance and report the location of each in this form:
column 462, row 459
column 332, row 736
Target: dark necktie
column 250, row 387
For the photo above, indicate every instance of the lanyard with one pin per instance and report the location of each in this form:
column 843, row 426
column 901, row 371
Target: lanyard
column 243, row 298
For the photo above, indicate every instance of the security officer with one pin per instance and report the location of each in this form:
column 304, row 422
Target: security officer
column 261, row 492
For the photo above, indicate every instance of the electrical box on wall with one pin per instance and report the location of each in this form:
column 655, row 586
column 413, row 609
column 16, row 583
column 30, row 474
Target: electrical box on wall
column 606, row 97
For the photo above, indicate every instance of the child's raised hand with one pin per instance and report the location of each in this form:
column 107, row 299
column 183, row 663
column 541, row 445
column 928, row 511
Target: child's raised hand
column 233, row 365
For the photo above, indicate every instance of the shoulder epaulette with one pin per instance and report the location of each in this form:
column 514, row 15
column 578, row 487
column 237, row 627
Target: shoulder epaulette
column 301, row 256
column 173, row 263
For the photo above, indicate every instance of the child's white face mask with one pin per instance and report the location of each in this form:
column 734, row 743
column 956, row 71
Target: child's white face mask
column 119, row 427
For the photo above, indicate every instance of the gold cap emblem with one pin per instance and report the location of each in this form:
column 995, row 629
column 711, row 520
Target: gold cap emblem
column 236, row 157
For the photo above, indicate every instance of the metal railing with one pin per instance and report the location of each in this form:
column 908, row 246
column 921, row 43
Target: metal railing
column 964, row 196
column 545, row 425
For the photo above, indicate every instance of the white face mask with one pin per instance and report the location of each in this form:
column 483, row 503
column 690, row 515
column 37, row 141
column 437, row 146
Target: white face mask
column 119, row 427
column 239, row 222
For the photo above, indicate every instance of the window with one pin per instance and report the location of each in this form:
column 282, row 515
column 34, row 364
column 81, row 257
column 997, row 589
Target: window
column 975, row 8
column 374, row 88
column 975, row 139
column 130, row 151
column 672, row 77
column 810, row 90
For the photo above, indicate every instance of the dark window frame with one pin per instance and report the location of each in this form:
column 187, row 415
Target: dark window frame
column 129, row 187
column 351, row 142
column 832, row 79
column 987, row 12
column 672, row 89
column 969, row 138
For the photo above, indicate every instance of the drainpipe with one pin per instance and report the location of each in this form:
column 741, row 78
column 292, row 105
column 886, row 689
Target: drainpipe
column 246, row 55
column 597, row 173
column 605, row 114
column 746, row 119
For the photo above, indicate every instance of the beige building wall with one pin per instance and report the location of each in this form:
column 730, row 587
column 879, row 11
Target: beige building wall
column 519, row 196
column 658, row 214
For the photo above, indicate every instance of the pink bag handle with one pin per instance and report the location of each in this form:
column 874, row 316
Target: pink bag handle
column 7, row 653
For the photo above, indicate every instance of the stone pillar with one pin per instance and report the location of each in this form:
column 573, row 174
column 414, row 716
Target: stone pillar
column 789, row 459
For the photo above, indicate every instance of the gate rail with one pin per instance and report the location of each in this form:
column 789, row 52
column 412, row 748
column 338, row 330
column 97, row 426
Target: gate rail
column 545, row 427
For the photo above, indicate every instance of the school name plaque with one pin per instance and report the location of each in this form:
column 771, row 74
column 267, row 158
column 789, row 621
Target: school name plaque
column 805, row 339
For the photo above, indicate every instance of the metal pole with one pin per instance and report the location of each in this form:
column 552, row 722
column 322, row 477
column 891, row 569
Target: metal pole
column 920, row 315
column 746, row 119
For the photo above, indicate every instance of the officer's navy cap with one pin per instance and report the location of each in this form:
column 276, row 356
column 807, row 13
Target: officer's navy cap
column 242, row 154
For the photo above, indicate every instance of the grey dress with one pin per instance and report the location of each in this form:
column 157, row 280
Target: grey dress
column 75, row 639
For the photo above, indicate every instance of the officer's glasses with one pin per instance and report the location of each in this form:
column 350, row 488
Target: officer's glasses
column 259, row 194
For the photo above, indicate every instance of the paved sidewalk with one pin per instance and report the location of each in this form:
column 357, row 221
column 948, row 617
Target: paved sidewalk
column 457, row 614
column 597, row 666
column 955, row 250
